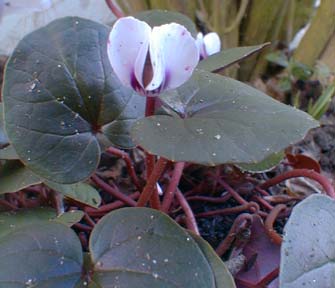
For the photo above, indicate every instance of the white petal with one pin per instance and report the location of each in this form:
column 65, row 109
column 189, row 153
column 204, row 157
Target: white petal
column 127, row 49
column 157, row 62
column 212, row 43
column 174, row 55
column 201, row 45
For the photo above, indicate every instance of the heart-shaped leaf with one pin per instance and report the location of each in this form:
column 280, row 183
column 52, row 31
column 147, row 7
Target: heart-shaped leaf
column 60, row 96
column 227, row 57
column 308, row 250
column 37, row 253
column 80, row 192
column 14, row 176
column 223, row 278
column 223, row 121
column 140, row 247
column 160, row 17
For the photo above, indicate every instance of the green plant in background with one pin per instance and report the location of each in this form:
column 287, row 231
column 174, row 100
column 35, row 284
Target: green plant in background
column 296, row 72
column 320, row 107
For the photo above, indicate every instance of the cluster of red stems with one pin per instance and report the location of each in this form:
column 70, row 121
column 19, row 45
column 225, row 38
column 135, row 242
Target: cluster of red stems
column 215, row 188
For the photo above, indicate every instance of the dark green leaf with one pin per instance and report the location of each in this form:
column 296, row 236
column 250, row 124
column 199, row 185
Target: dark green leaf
column 160, row 17
column 140, row 247
column 308, row 250
column 80, row 192
column 267, row 164
column 8, row 153
column 40, row 214
column 225, row 121
column 14, row 176
column 24, row 217
column 223, row 278
column 60, row 95
column 70, row 218
column 37, row 253
column 228, row 57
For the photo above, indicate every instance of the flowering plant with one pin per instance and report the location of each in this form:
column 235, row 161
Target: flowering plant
column 73, row 90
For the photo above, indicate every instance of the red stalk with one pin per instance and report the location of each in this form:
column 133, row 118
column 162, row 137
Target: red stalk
column 323, row 181
column 117, row 194
column 150, row 187
column 190, row 219
column 172, row 187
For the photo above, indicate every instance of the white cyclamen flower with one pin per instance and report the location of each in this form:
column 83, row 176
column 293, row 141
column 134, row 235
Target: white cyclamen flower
column 151, row 59
column 208, row 44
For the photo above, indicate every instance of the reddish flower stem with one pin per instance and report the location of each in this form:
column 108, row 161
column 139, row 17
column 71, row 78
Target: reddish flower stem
column 261, row 191
column 172, row 187
column 83, row 227
column 150, row 187
column 190, row 219
column 240, row 200
column 323, row 181
column 89, row 220
column 129, row 164
column 101, row 211
column 221, row 199
column 115, row 193
column 264, row 203
column 114, row 8
column 8, row 205
column 242, row 221
column 83, row 239
column 232, row 192
column 150, row 159
column 233, row 210
column 154, row 198
column 150, row 106
column 270, row 220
